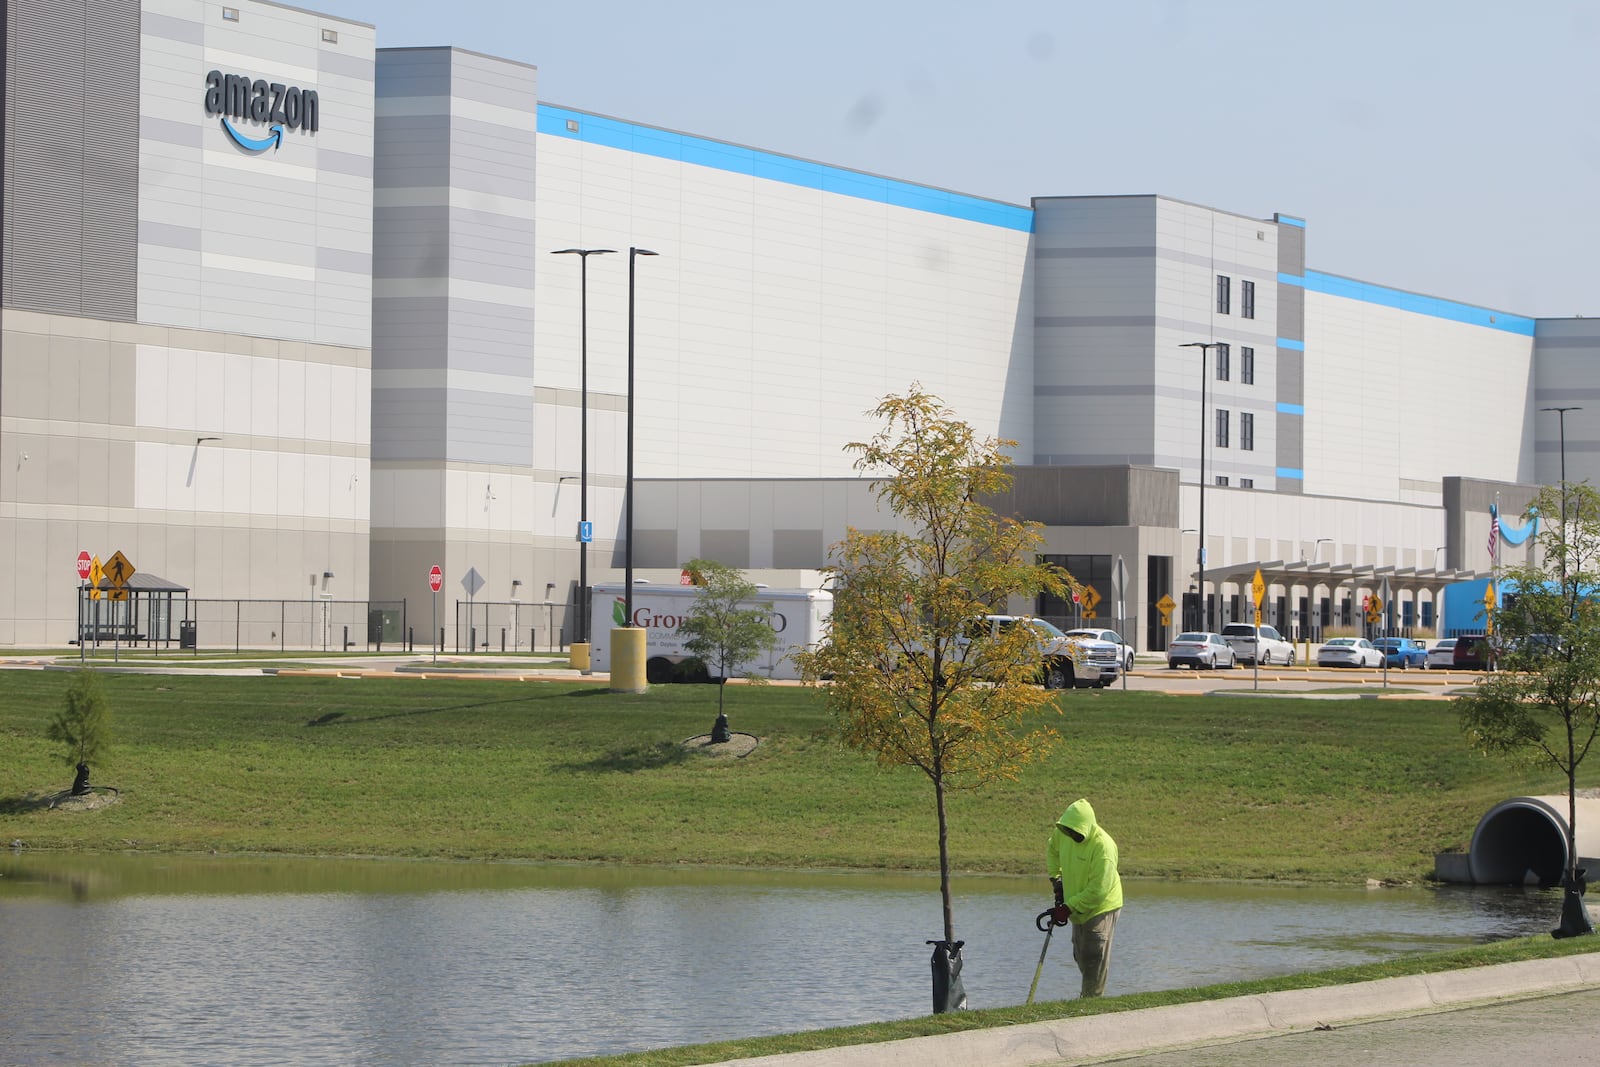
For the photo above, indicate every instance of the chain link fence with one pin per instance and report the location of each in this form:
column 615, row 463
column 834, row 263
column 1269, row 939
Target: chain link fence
column 167, row 619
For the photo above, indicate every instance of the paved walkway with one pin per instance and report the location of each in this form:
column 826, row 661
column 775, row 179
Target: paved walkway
column 1121, row 1035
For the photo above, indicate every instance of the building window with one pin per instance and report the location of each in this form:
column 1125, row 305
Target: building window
column 1222, row 479
column 1247, row 299
column 1247, row 431
column 1223, row 285
column 1222, row 428
column 1222, row 363
column 1247, row 483
column 1247, row 365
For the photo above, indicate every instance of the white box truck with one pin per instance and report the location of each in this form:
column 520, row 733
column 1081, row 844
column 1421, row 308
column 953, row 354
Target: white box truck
column 798, row 616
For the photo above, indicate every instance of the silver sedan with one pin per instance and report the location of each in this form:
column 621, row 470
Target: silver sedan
column 1201, row 650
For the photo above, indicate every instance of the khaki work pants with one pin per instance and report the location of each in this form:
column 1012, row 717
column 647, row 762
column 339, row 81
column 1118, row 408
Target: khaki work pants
column 1091, row 950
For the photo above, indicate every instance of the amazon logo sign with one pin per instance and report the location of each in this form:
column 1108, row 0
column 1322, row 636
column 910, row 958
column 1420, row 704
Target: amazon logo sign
column 239, row 99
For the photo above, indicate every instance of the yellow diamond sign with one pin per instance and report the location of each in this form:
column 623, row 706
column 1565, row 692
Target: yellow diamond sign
column 1258, row 589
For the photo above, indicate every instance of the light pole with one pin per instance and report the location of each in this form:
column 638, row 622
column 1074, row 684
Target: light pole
column 1205, row 604
column 582, row 629
column 627, row 593
column 1561, row 416
column 627, row 641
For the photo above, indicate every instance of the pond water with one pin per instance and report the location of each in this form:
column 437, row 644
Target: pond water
column 138, row 959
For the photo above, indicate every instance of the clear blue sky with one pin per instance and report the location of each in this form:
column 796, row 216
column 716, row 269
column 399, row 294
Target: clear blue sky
column 1451, row 147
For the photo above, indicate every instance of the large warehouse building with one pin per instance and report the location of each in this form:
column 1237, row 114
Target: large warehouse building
column 282, row 325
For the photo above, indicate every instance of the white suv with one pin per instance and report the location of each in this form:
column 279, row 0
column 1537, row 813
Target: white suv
column 1266, row 647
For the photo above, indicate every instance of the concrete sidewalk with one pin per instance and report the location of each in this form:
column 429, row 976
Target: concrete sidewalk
column 1097, row 1038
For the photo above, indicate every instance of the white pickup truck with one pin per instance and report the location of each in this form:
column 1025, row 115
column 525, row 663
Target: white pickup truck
column 1266, row 648
column 1070, row 661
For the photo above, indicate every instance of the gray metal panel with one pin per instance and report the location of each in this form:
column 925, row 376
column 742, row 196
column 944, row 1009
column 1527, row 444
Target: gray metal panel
column 1291, row 443
column 1093, row 496
column 413, row 242
column 655, row 548
column 408, row 424
column 411, row 151
column 489, row 427
column 188, row 31
column 408, row 334
column 798, row 548
column 730, row 547
column 1291, row 376
column 491, row 338
column 1292, row 312
column 169, row 236
column 72, row 158
column 412, row 72
column 1291, row 249
column 356, row 68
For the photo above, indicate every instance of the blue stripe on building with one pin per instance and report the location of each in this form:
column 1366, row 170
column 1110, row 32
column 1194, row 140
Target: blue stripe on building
column 1432, row 306
column 719, row 155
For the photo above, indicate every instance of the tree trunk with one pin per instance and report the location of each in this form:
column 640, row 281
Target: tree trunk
column 944, row 855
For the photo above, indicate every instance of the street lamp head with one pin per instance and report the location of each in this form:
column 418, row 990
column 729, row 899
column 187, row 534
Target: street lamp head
column 582, row 251
column 642, row 252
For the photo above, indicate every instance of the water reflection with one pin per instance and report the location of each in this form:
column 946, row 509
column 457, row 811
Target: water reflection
column 161, row 960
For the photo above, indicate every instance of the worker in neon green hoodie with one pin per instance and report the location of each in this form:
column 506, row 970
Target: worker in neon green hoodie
column 1082, row 861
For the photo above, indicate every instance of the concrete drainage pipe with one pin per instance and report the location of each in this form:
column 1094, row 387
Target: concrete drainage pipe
column 1523, row 841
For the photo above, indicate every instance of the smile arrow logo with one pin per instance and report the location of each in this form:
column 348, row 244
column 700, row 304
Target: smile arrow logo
column 251, row 144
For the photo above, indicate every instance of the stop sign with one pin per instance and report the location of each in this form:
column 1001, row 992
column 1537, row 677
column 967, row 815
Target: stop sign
column 85, row 567
column 435, row 578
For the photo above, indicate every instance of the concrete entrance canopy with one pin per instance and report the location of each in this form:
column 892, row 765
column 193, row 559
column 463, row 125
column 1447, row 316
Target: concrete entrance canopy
column 1405, row 583
column 1336, row 575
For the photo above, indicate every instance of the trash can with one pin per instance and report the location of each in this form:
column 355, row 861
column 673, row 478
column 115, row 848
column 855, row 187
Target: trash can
column 186, row 634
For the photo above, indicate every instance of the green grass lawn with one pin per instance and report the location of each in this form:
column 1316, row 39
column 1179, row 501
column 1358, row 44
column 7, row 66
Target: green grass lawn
column 1192, row 787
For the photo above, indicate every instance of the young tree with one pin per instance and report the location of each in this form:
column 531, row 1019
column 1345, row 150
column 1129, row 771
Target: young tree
column 728, row 625
column 1543, row 700
column 82, row 727
column 913, row 680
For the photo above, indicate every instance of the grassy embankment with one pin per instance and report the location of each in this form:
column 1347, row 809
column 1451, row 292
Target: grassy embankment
column 1192, row 787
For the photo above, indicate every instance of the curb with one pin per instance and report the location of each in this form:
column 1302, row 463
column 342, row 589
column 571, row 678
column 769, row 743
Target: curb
column 1096, row 1038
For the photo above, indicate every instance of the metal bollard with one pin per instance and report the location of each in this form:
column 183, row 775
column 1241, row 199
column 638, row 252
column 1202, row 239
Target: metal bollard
column 502, row 639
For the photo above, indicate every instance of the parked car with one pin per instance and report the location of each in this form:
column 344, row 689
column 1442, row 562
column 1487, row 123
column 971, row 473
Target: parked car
column 1107, row 635
column 1266, row 647
column 1066, row 662
column 1473, row 652
column 1402, row 652
column 1442, row 656
column 1201, row 649
column 1348, row 652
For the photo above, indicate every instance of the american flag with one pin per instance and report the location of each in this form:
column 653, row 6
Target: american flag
column 1494, row 532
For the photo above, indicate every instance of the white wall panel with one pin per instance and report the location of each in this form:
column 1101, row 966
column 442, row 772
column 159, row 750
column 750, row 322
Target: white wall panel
column 1366, row 365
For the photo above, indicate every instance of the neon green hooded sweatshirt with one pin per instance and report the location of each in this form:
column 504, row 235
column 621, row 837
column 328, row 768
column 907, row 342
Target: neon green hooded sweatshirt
column 1088, row 871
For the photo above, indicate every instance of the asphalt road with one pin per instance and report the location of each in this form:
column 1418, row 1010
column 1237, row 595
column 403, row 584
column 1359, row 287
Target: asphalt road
column 1155, row 675
column 1558, row 1029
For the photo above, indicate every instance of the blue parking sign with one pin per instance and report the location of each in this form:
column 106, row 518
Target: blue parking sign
column 586, row 531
